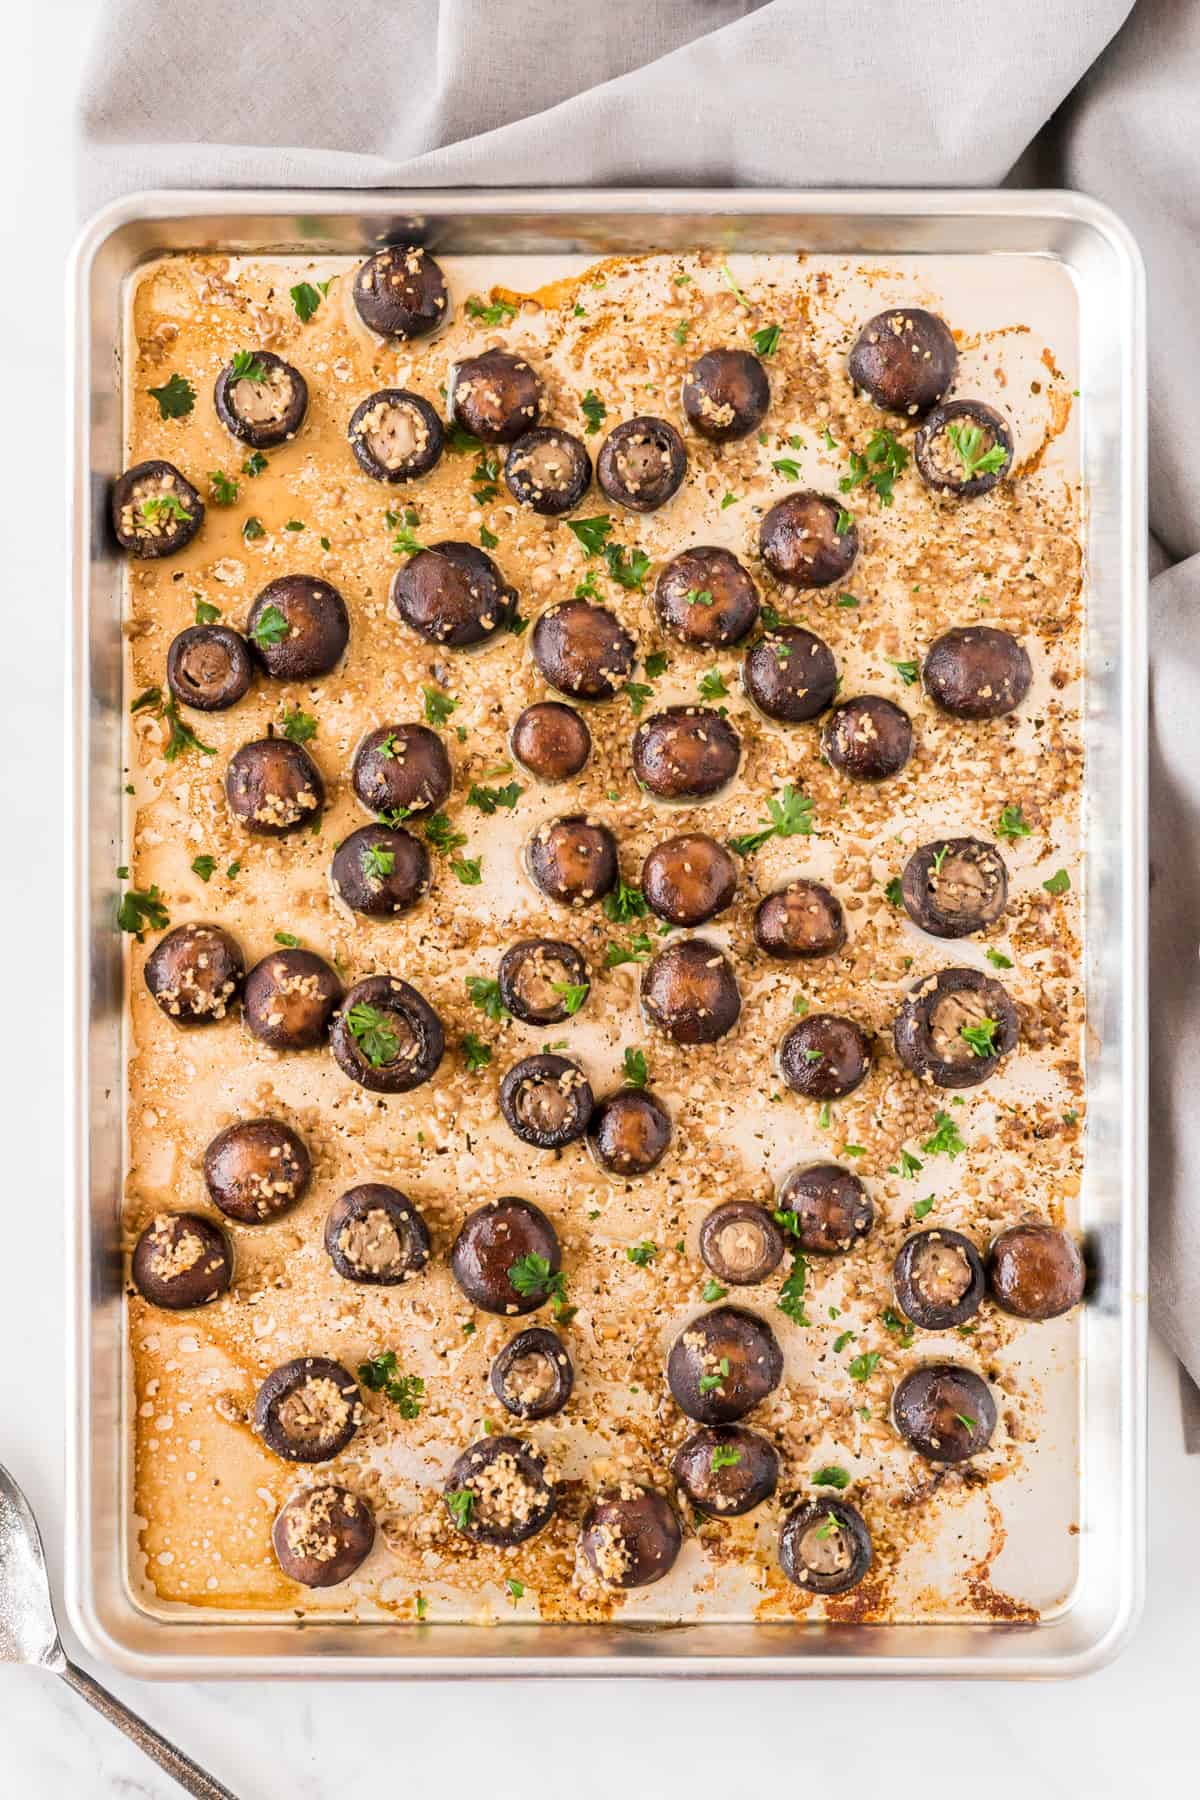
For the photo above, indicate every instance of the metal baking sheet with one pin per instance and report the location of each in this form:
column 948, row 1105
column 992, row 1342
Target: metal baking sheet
column 1104, row 269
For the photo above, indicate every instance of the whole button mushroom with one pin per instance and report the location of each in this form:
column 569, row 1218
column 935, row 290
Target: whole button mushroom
column 977, row 672
column 582, row 650
column 257, row 1169
column 546, row 1101
column 723, row 1364
column 402, row 768
column 533, row 1375
column 741, row 1243
column 374, row 1235
column 386, row 1036
column 453, row 594
column 689, row 879
column 155, row 510
column 400, row 292
column 790, row 675
column 506, row 1257
column 945, row 1412
column 195, row 974
column 497, row 396
column 307, row 1410
column 323, row 1535
column 572, row 860
column 801, row 543
column 726, row 1470
column 800, row 921
column 395, row 435
column 540, row 978
column 260, row 399
column 209, row 667
column 954, row 886
column 824, row 1546
column 904, row 360
column 629, row 1132
column 825, row 1056
column 551, row 740
column 1036, row 1271
column 964, row 448
column 706, row 597
column 548, row 470
column 641, row 464
column 939, row 1279
column 181, row 1260
column 726, row 395
column 498, row 1492
column 630, row 1536
column 831, row 1211
column 298, row 627
column 274, row 787
column 955, row 1028
column 690, row 992
column 289, row 999
column 686, row 753
column 868, row 738
column 380, row 870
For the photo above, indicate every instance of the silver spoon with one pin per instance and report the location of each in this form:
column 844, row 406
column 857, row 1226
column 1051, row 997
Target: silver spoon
column 29, row 1634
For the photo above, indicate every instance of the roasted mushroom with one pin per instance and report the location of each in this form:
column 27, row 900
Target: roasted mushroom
column 572, row 860
column 685, row 753
column 808, row 540
column 801, row 920
column 690, row 992
column 904, row 360
column 155, row 509
column 963, row 448
column 977, row 672
column 540, row 981
column 195, row 973
column 824, row 1546
column 825, row 1056
column 868, row 738
column 551, row 740
column 453, row 594
column 498, row 1491
column 395, row 435
column 273, row 787
column 722, row 1364
column 954, row 886
column 725, row 395
column 533, row 1375
column 630, row 1536
column 945, row 1412
column 790, row 675
column 380, row 870
column 506, row 1257
column 641, row 464
column 689, row 879
column 546, row 1101
column 741, row 1243
column 257, row 1169
column 181, row 1260
column 548, row 470
column 375, row 1235
column 400, row 292
column 260, row 399
column 726, row 1470
column 955, row 1027
column 582, row 650
column 289, row 999
column 386, row 1036
column 630, row 1132
column 831, row 1211
column 298, row 627
column 322, row 1535
column 497, row 396
column 402, row 768
column 1036, row 1271
column 939, row 1279
column 209, row 667
column 307, row 1410
column 706, row 597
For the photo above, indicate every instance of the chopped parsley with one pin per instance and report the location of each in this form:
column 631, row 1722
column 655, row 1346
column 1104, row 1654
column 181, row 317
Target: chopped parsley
column 378, row 862
column 374, row 1036
column 176, row 398
column 922, row 1208
column 224, row 489
column 516, row 1588
column 841, row 1340
column 142, row 912
column 637, row 950
column 206, row 612
column 907, row 671
column 254, row 464
column 493, row 312
column 681, row 330
column 708, row 1382
column 637, row 694
column 712, row 1290
column 288, row 939
column 253, row 528
column 460, row 1504
column 406, row 543
column 485, row 994
column 271, row 627
column 968, row 442
column 162, row 506
column 967, row 1420
column 531, row 1275
column 382, row 1376
column 729, row 499
column 469, row 869
column 894, row 892
column 642, row 1254
column 847, row 600
column 592, row 533
column 628, row 567
column 791, row 1294
column 441, row 834
column 998, row 959
column 831, row 1475
column 789, row 815
column 884, row 459
column 438, row 705
column 787, row 466
column 1058, row 882
column 246, row 366
column 1011, row 824
column 299, row 727
column 899, row 1327
column 204, row 866
column 863, row 1367
column 731, row 284
column 488, row 539
column 593, row 410
column 488, row 799
column 843, row 523
column 634, row 1068
column 181, row 737
column 712, row 685
column 724, row 1456
column 909, row 1165
column 981, row 1037
column 946, row 1139
column 477, row 1054
column 572, row 995
column 766, row 341
column 624, row 903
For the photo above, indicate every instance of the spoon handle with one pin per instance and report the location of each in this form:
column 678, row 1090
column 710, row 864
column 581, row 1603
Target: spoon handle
column 187, row 1773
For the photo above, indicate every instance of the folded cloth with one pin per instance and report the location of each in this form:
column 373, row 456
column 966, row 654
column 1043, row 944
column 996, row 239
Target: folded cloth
column 1096, row 94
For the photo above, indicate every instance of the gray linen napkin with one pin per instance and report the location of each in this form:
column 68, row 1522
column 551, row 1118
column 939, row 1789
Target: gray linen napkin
column 1096, row 94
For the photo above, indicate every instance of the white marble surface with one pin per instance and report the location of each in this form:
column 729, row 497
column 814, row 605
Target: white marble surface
column 1130, row 1727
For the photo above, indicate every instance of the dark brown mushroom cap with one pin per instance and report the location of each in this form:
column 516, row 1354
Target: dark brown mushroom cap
column 582, row 650
column 181, row 1260
column 947, row 1413
column 641, row 464
column 381, row 870
column 977, row 672
column 954, row 886
column 723, row 1363
column 572, row 860
column 551, row 740
column 533, row 977
column 453, row 594
column 928, row 1030
column 825, row 1056
column 868, row 738
column 533, row 1375
column 289, row 999
column 690, row 992
column 790, row 675
column 307, row 1410
column 498, row 396
column 689, row 879
column 264, row 408
column 322, row 1535
column 402, row 768
column 494, row 1240
column 386, row 1036
column 741, row 1243
column 725, row 395
column 630, row 1536
column 274, row 787
column 546, row 1101
column 831, row 1209
column 512, row 1498
column 686, row 753
column 939, row 1279
column 802, row 919
column 824, row 1546
column 706, row 597
column 726, row 1470
column 155, row 510
column 904, row 360
column 256, row 1169
column 400, row 292
column 630, row 1132
column 374, row 1235
column 395, row 435
column 1036, row 1271
column 800, row 543
column 209, row 667
column 940, row 463
column 548, row 470
column 317, row 627
column 195, row 973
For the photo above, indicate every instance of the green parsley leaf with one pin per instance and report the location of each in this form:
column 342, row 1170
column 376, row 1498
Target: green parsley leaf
column 847, row 601
column 1058, row 882
column 494, row 312
column 629, row 567
column 656, row 664
column 642, row 1254
column 946, row 1139
column 975, row 460
column 405, row 543
column 681, row 331
column 593, row 410
column 151, row 697
column 224, row 490
column 204, row 866
column 967, row 1420
column 299, row 727
column 899, row 1327
column 637, row 950
column 378, row 862
column 831, row 1475
column 516, row 1588
column 788, row 467
column 163, row 506
column 485, row 995
column 724, row 1456
column 1011, row 824
column 998, row 959
column 253, row 528
column 844, row 523
column 247, row 366
column 731, row 284
column 176, row 398
column 441, row 834
column 981, row 1037
column 305, row 299
column 708, row 1382
column 791, row 1294
column 800, row 1004
column 712, row 685
column 254, row 464
column 712, row 1290
column 182, row 737
column 460, row 441
column 478, row 1054
column 271, row 626
column 623, row 904
column 634, row 1069
column 789, row 815
column 863, row 1367
column 139, row 912
column 287, row 939
column 699, row 597
column 206, row 612
column 438, row 706
column 841, row 1340
column 460, row 1504
column 923, row 1208
column 572, row 994
column 593, row 533
column 487, row 539
column 637, row 694
column 894, row 892
column 488, row 799
column 374, row 1036
column 910, row 1165
column 884, row 459
column 766, row 340
column 469, row 869
column 907, row 671
column 729, row 499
